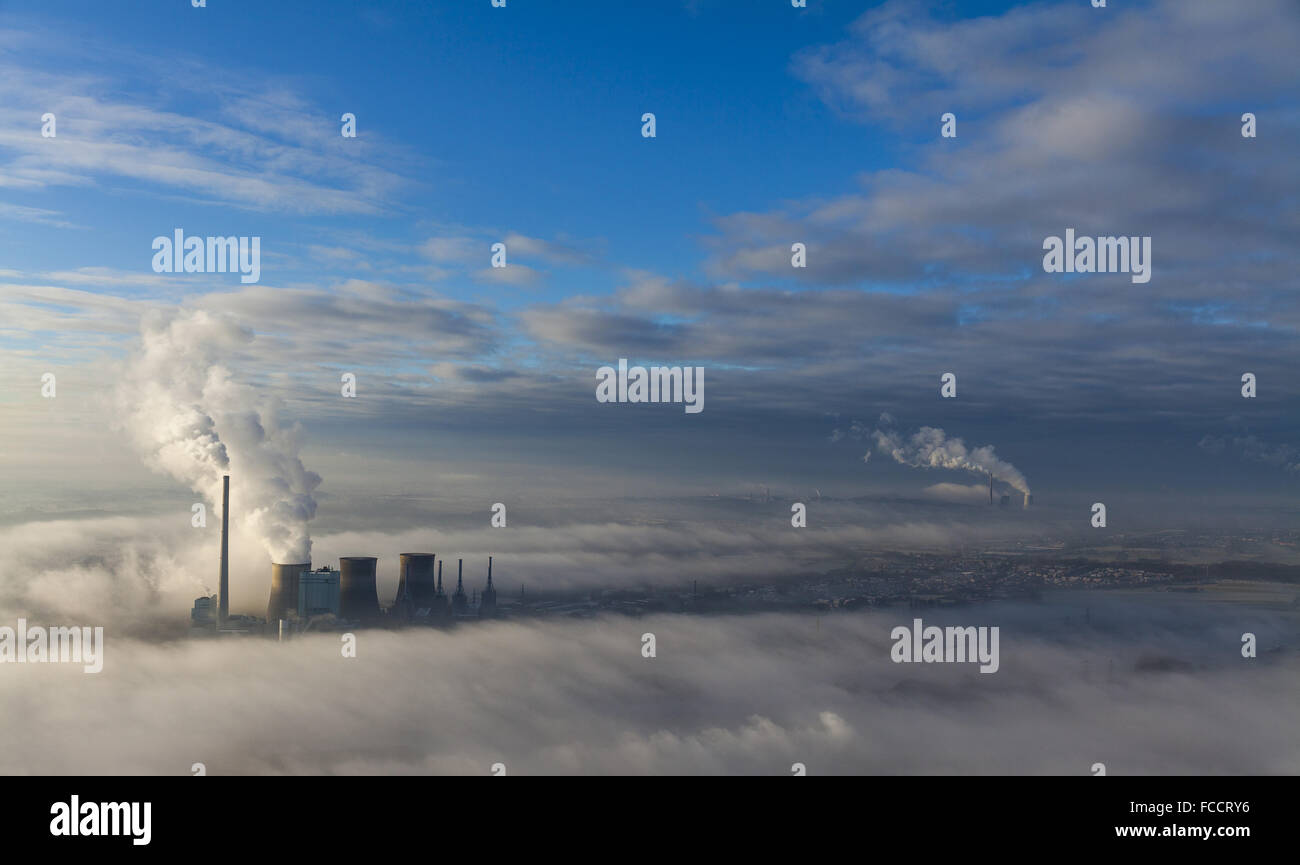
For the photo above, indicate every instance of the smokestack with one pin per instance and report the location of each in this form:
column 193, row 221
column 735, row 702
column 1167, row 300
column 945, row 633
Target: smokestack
column 416, row 580
column 223, row 583
column 459, row 602
column 358, row 596
column 284, row 591
column 1027, row 499
column 488, row 600
column 990, row 488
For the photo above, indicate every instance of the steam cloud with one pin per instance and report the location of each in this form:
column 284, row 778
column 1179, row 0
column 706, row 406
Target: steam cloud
column 931, row 448
column 191, row 421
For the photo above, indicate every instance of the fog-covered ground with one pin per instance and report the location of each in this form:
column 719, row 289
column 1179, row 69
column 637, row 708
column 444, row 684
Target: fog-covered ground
column 1142, row 682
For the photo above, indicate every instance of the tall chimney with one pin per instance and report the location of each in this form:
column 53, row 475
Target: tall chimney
column 440, row 610
column 223, row 584
column 488, row 600
column 459, row 602
column 990, row 488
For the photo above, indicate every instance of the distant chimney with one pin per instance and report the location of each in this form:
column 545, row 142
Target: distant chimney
column 1028, row 499
column 459, row 601
column 990, row 488
column 223, row 584
column 438, row 603
column 488, row 600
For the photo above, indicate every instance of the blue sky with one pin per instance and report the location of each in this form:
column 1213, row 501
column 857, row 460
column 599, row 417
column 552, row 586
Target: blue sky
column 525, row 119
column 775, row 125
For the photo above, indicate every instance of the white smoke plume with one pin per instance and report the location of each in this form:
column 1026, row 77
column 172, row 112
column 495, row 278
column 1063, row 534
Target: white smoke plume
column 192, row 421
column 931, row 448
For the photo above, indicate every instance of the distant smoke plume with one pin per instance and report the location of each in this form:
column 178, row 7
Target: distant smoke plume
column 931, row 448
column 190, row 420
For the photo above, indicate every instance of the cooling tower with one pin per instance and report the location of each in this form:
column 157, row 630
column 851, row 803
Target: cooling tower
column 284, row 591
column 416, row 579
column 358, row 597
column 223, row 583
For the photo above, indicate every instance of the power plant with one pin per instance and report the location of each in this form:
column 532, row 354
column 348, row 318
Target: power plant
column 302, row 599
column 1006, row 500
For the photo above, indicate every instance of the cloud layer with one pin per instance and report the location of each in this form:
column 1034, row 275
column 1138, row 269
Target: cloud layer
column 724, row 695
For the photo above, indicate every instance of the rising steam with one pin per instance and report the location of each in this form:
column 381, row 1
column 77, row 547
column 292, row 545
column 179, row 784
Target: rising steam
column 190, row 420
column 930, row 447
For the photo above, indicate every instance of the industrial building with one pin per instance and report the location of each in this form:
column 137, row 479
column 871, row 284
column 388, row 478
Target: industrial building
column 318, row 593
column 204, row 613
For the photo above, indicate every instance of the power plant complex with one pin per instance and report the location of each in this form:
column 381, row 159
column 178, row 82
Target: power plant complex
column 302, row 599
column 1006, row 500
